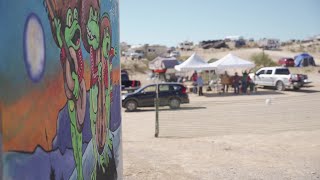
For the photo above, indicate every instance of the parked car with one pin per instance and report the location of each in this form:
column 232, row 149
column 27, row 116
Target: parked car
column 175, row 54
column 170, row 94
column 278, row 77
column 286, row 62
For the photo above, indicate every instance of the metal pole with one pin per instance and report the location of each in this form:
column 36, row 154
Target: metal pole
column 157, row 108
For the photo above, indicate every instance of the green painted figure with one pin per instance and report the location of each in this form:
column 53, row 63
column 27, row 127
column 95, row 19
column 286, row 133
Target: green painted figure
column 64, row 21
column 92, row 41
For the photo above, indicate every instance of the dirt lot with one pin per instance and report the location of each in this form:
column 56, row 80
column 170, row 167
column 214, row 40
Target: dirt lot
column 228, row 137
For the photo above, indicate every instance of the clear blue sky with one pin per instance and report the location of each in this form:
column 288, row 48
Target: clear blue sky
column 169, row 22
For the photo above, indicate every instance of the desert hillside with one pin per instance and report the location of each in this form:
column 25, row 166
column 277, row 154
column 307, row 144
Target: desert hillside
column 138, row 69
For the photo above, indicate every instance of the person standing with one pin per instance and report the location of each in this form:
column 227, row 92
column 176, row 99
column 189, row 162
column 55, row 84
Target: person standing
column 214, row 76
column 225, row 79
column 250, row 84
column 236, row 80
column 244, row 82
column 200, row 84
column 194, row 81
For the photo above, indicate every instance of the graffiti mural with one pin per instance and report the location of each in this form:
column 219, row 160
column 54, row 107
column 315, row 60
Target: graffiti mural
column 60, row 91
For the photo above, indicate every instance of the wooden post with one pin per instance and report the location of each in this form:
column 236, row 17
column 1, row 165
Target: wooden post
column 157, row 109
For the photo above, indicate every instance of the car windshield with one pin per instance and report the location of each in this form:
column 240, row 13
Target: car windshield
column 260, row 72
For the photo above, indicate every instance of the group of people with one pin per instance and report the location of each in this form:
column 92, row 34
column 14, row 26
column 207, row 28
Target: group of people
column 239, row 83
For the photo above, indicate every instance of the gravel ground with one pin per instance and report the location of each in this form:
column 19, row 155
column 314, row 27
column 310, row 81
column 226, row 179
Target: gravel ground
column 228, row 137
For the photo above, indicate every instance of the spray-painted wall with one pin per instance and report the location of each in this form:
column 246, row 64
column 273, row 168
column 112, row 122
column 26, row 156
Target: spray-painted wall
column 59, row 90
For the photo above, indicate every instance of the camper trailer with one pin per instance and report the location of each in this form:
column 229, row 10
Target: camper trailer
column 145, row 51
column 186, row 46
column 269, row 44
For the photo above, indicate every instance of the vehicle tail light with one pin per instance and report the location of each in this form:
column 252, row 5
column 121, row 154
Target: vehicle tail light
column 133, row 83
column 299, row 77
column 184, row 90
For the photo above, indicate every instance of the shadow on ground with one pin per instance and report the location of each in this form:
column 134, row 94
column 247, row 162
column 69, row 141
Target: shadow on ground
column 304, row 89
column 231, row 94
column 167, row 109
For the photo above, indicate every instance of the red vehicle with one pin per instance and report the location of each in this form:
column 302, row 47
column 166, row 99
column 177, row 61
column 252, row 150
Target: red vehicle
column 286, row 62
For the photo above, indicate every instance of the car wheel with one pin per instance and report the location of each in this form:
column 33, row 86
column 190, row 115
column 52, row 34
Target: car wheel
column 174, row 103
column 280, row 86
column 131, row 105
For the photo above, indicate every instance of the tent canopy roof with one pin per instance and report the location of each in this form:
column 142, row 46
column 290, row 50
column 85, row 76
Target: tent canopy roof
column 304, row 59
column 194, row 62
column 231, row 62
column 303, row 55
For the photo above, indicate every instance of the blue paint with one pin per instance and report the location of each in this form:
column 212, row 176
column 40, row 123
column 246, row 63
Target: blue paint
column 62, row 141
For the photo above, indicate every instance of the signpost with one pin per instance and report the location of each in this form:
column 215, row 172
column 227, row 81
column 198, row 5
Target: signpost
column 156, row 103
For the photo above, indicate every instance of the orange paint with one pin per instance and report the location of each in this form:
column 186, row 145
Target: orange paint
column 116, row 76
column 27, row 120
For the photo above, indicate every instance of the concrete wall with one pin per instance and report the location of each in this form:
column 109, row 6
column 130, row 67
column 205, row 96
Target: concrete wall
column 60, row 90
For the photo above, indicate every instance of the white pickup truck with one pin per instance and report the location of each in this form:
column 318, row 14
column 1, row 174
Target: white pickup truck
column 278, row 77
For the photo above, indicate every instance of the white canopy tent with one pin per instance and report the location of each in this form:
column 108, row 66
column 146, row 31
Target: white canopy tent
column 194, row 62
column 232, row 64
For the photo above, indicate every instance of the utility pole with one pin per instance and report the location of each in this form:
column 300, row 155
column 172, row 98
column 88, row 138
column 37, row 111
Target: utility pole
column 156, row 103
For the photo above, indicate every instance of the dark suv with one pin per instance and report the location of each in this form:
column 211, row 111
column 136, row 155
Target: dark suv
column 170, row 94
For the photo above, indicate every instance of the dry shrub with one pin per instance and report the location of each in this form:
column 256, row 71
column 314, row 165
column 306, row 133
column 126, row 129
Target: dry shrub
column 140, row 67
column 304, row 70
column 151, row 56
column 262, row 60
column 135, row 66
column 183, row 58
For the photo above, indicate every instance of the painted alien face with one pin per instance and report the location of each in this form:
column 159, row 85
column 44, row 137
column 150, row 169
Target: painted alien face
column 93, row 29
column 72, row 30
column 106, row 43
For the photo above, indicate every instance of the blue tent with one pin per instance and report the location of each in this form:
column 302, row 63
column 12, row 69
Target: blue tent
column 303, row 60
